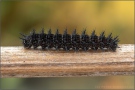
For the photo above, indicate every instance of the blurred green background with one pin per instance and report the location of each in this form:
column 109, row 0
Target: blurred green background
column 111, row 16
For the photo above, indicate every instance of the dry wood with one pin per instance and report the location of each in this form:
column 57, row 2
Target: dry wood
column 19, row 62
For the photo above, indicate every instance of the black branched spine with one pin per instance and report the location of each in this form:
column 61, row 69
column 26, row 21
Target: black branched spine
column 66, row 41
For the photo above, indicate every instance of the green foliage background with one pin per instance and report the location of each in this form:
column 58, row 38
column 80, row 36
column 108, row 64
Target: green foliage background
column 111, row 16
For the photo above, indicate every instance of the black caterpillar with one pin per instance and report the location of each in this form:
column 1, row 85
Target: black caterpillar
column 67, row 41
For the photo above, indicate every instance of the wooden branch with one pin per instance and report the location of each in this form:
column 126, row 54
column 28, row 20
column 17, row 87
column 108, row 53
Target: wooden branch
column 19, row 62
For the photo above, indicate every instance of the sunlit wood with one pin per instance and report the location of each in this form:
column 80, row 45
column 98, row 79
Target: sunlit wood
column 19, row 62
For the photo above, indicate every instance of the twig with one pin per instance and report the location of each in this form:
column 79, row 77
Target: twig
column 19, row 62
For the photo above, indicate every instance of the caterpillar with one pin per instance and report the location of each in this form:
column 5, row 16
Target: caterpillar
column 68, row 42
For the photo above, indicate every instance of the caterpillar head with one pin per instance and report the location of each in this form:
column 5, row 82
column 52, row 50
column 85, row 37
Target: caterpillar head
column 26, row 41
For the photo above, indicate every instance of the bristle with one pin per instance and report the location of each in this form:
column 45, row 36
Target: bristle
column 23, row 35
column 22, row 38
column 42, row 31
column 68, row 42
column 65, row 32
column 57, row 31
column 75, row 41
column 109, row 36
column 74, row 32
column 33, row 32
column 83, row 32
column 49, row 31
column 93, row 33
